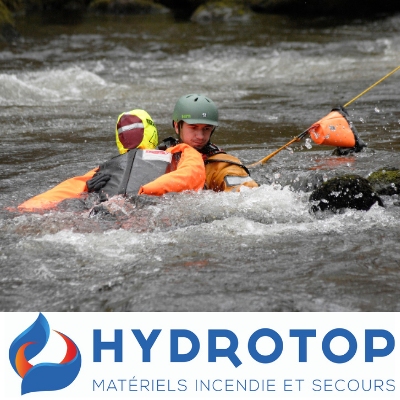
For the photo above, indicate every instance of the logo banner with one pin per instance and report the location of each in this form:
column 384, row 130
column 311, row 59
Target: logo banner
column 199, row 355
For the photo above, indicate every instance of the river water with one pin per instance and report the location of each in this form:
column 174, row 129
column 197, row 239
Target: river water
column 61, row 90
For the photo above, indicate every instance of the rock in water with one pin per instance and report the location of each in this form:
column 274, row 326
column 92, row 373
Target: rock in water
column 347, row 191
column 386, row 181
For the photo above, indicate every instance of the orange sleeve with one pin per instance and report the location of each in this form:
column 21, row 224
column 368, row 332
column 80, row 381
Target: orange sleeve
column 69, row 189
column 189, row 175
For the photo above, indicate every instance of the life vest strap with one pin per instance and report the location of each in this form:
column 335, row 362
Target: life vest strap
column 127, row 172
column 228, row 162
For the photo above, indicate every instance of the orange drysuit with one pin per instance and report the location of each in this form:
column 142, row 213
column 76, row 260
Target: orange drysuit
column 188, row 175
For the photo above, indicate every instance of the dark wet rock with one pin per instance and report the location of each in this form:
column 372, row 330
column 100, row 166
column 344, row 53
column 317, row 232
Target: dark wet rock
column 221, row 11
column 296, row 180
column 182, row 9
column 386, row 181
column 343, row 8
column 60, row 12
column 127, row 7
column 72, row 11
column 347, row 191
column 57, row 5
column 345, row 151
column 306, row 182
column 8, row 32
column 12, row 5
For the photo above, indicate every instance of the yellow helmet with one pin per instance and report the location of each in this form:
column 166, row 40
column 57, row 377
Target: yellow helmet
column 135, row 129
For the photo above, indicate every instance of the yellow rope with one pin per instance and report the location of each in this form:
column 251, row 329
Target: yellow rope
column 265, row 159
column 299, row 137
column 372, row 86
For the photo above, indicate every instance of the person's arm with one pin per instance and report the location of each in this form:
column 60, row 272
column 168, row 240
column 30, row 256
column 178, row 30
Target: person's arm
column 69, row 189
column 189, row 175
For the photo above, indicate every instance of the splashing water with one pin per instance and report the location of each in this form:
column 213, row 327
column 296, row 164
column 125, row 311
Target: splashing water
column 255, row 250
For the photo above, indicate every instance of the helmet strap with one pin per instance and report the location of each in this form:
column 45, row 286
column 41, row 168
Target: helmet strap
column 179, row 124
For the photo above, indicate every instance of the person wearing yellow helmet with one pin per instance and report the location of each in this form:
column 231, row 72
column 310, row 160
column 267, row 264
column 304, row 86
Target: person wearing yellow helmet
column 135, row 129
column 194, row 119
column 142, row 169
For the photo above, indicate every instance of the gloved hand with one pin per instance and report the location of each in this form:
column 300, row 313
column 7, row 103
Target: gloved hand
column 97, row 182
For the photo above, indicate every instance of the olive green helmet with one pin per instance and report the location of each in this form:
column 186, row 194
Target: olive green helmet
column 195, row 109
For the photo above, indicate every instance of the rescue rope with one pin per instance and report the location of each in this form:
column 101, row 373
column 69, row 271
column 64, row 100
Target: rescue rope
column 302, row 134
column 372, row 86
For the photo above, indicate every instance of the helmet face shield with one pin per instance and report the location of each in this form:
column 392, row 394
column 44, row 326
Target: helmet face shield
column 135, row 129
column 195, row 109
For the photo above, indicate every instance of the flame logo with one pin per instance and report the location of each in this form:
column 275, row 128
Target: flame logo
column 44, row 376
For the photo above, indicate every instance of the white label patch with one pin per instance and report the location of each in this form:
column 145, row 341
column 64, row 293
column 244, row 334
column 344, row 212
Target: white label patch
column 236, row 180
column 151, row 155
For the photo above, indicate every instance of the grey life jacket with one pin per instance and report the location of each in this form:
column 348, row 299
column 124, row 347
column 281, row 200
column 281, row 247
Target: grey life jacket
column 134, row 169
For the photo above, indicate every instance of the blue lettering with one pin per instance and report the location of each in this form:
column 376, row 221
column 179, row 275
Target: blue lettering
column 373, row 350
column 287, row 385
column 182, row 384
column 229, row 352
column 98, row 345
column 270, row 385
column 336, row 385
column 112, row 386
column 146, row 344
column 317, row 383
column 255, row 387
column 355, row 387
column 175, row 355
column 303, row 334
column 327, row 349
column 214, row 387
column 370, row 351
column 328, row 385
column 253, row 349
column 391, row 385
column 99, row 385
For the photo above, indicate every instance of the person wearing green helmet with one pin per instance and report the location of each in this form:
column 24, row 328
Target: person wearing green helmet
column 194, row 119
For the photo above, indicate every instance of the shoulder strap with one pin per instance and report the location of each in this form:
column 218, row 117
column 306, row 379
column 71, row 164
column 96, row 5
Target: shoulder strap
column 208, row 161
column 210, row 149
column 167, row 143
column 127, row 172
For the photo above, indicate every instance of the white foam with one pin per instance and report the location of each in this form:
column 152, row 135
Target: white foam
column 49, row 86
column 267, row 211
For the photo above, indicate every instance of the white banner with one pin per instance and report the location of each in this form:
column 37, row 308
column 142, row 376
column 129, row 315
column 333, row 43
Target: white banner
column 199, row 355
